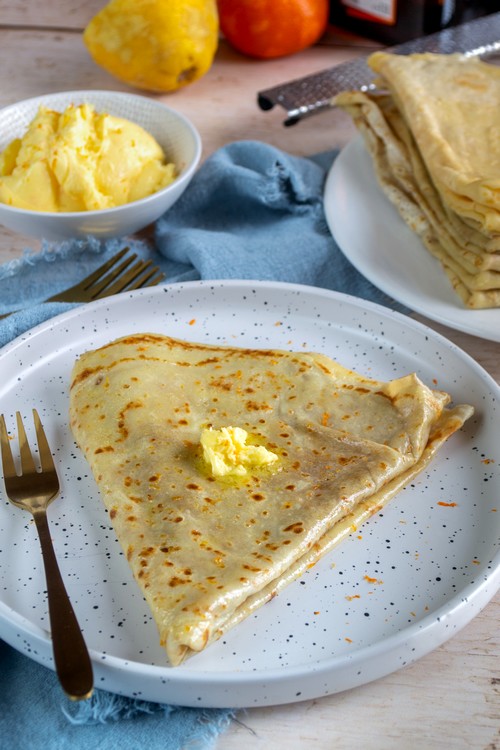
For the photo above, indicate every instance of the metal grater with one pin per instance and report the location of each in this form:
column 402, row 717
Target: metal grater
column 311, row 95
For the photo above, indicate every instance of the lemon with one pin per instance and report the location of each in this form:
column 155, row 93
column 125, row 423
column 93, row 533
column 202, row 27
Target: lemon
column 157, row 45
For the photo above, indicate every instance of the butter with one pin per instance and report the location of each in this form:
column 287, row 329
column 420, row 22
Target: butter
column 81, row 160
column 228, row 453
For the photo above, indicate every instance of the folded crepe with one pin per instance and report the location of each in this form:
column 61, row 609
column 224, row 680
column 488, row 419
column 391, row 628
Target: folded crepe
column 435, row 160
column 451, row 103
column 208, row 549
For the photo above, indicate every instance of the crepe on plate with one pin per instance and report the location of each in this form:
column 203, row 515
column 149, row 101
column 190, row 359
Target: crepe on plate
column 438, row 160
column 205, row 550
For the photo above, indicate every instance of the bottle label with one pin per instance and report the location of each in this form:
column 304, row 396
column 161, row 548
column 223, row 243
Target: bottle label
column 380, row 11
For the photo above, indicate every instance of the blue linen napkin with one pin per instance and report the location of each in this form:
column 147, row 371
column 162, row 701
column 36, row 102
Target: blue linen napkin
column 34, row 714
column 251, row 212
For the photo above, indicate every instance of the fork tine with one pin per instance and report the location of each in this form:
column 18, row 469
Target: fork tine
column 150, row 279
column 8, row 465
column 106, row 280
column 156, row 280
column 46, row 460
column 99, row 288
column 97, row 274
column 127, row 278
column 27, row 462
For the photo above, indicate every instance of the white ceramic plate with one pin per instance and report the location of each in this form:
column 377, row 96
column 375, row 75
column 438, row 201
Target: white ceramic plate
column 371, row 234
column 403, row 584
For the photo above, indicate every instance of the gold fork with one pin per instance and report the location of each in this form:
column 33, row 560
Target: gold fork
column 111, row 278
column 34, row 490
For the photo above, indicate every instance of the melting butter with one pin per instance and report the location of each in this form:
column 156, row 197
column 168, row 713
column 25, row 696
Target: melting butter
column 229, row 454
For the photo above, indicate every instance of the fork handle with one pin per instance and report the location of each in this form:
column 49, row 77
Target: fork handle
column 71, row 657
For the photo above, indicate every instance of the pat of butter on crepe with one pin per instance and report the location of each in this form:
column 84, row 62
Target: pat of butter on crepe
column 228, row 453
column 207, row 551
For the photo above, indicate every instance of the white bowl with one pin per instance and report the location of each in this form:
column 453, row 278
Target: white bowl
column 175, row 133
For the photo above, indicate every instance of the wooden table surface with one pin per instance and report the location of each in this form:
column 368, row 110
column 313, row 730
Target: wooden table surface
column 448, row 699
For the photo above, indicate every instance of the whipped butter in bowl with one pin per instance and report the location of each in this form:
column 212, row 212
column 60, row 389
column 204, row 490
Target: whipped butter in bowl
column 81, row 160
column 98, row 163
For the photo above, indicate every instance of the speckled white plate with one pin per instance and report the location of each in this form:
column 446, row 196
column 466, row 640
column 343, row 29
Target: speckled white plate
column 404, row 583
column 372, row 235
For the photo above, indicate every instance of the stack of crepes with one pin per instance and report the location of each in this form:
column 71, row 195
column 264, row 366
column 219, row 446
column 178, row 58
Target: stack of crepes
column 432, row 128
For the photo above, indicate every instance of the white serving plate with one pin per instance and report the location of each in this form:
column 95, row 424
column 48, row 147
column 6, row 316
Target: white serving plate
column 433, row 567
column 372, row 235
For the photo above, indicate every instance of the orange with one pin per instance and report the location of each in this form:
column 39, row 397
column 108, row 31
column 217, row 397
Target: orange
column 272, row 28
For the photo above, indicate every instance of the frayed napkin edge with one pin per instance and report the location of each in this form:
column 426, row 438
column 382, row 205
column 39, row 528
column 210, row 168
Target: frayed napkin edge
column 104, row 708
column 51, row 252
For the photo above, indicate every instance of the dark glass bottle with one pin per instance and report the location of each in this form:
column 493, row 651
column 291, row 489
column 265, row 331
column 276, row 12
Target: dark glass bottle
column 394, row 21
column 471, row 9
